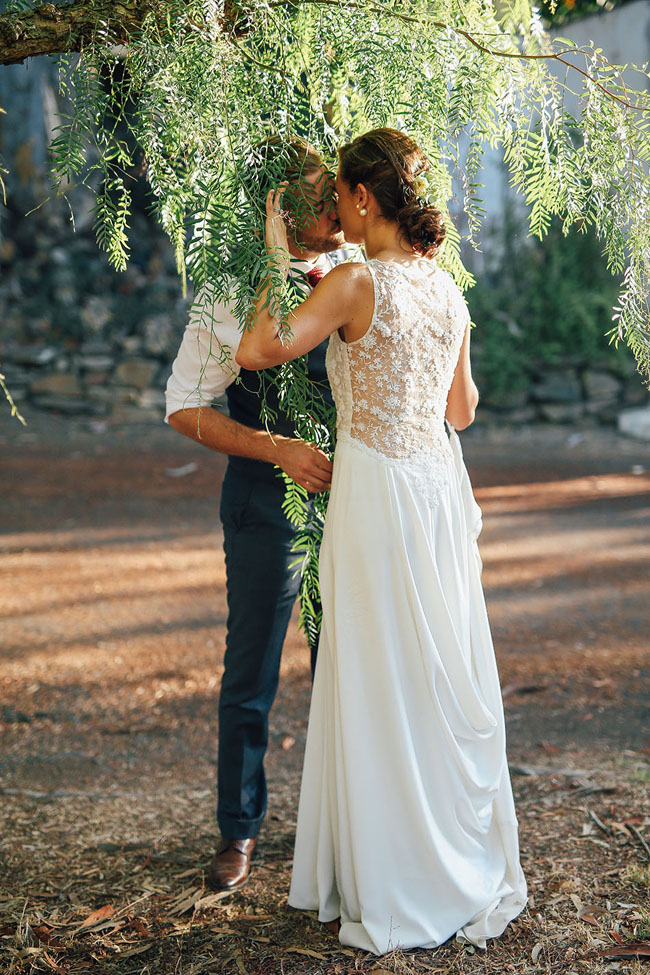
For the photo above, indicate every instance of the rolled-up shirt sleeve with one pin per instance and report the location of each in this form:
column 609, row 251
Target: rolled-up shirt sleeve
column 205, row 364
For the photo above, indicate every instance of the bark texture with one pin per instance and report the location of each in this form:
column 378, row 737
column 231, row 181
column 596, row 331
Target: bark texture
column 50, row 28
column 53, row 29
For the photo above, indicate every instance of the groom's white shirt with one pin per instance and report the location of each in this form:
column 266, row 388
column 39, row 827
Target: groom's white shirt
column 205, row 364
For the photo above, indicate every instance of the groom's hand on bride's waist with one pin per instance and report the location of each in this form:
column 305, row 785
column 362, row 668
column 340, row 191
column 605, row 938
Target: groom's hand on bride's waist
column 304, row 463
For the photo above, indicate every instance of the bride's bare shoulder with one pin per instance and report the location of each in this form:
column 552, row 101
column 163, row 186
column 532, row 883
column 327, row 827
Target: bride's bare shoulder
column 348, row 292
column 352, row 274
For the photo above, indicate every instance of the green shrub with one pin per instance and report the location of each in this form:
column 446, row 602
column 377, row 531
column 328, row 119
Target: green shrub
column 540, row 305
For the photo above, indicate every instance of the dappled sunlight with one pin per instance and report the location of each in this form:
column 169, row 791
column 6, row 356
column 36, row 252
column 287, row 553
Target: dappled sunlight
column 90, row 606
column 76, row 539
column 93, row 576
column 565, row 599
column 72, row 597
column 566, row 572
column 504, row 539
column 511, row 498
column 519, row 572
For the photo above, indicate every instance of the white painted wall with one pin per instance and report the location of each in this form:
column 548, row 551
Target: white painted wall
column 624, row 36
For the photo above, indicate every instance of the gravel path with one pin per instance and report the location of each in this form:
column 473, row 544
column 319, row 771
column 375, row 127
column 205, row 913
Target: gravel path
column 112, row 620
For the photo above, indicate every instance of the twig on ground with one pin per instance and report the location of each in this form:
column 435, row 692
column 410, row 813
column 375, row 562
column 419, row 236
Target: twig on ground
column 637, row 835
column 607, row 830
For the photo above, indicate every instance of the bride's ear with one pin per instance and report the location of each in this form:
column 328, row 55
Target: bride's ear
column 362, row 197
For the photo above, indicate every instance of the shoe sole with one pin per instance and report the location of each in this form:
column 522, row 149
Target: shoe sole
column 227, row 890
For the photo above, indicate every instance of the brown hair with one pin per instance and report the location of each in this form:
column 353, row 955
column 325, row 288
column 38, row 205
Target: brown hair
column 276, row 159
column 388, row 162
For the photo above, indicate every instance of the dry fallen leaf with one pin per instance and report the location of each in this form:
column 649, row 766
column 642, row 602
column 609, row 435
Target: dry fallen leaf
column 577, row 903
column 188, row 873
column 239, row 961
column 590, row 914
column 99, row 915
column 138, row 950
column 185, row 900
column 307, row 951
column 210, row 900
column 637, row 949
column 589, row 919
column 44, row 935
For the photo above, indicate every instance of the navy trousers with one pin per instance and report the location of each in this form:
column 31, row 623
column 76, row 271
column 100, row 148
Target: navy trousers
column 261, row 590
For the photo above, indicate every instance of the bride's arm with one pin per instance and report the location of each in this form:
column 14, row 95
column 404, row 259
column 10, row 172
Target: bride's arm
column 463, row 395
column 328, row 307
column 339, row 301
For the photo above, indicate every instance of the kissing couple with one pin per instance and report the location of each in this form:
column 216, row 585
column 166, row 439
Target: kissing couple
column 407, row 833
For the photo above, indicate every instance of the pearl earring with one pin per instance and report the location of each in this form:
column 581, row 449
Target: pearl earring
column 362, row 211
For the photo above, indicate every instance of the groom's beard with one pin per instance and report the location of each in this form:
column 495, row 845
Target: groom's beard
column 322, row 245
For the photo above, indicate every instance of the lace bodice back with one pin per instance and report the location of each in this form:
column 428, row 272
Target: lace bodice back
column 391, row 385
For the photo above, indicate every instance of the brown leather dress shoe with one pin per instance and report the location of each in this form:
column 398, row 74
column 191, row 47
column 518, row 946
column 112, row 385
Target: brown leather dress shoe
column 231, row 864
column 333, row 926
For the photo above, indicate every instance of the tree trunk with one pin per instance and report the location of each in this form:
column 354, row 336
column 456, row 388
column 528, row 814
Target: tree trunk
column 31, row 101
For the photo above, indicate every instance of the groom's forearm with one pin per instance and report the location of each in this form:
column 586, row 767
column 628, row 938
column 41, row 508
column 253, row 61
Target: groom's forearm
column 302, row 462
column 218, row 432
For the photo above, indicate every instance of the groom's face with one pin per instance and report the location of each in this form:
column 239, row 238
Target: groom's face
column 317, row 229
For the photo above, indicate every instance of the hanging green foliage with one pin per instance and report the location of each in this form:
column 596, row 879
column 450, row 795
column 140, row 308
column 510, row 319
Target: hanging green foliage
column 202, row 82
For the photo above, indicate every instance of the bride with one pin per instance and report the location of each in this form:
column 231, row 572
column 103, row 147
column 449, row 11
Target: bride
column 406, row 825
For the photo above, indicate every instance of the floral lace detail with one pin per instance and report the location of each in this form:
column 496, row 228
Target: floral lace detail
column 391, row 386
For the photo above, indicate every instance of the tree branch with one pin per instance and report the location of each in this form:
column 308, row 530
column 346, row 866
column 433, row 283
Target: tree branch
column 364, row 6
column 49, row 28
column 52, row 29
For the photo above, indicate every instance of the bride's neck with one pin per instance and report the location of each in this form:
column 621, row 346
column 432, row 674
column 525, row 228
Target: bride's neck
column 382, row 240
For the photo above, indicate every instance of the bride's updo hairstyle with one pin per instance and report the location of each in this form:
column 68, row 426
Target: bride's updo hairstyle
column 388, row 163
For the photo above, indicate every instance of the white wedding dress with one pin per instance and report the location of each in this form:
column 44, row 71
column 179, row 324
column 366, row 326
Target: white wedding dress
column 406, row 824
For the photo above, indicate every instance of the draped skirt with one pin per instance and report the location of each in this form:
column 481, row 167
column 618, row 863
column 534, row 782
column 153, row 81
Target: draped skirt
column 406, row 825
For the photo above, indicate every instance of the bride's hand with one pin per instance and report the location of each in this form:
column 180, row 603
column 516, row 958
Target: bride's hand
column 276, row 230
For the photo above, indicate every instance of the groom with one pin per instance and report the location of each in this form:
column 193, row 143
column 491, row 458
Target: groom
column 258, row 538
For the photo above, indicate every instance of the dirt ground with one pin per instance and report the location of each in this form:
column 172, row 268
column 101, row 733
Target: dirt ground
column 112, row 610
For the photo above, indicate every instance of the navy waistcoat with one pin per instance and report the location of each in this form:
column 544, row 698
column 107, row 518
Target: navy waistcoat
column 244, row 401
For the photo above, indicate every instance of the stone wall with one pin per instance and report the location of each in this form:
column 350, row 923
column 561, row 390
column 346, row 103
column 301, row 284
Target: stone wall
column 80, row 338
column 571, row 392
